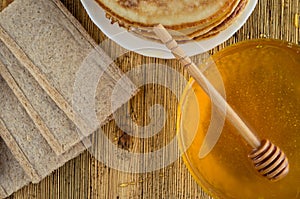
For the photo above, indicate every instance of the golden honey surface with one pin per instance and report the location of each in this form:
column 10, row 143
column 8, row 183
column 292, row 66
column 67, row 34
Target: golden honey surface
column 262, row 83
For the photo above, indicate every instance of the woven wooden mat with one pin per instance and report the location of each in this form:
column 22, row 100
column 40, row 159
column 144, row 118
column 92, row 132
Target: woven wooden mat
column 85, row 177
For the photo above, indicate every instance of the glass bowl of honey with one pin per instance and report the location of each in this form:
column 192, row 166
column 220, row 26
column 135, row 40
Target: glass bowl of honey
column 262, row 83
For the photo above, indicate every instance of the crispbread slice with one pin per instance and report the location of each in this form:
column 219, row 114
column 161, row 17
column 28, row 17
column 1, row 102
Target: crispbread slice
column 56, row 46
column 24, row 133
column 63, row 129
column 12, row 176
column 34, row 115
column 2, row 192
column 33, row 29
column 28, row 151
column 25, row 143
column 17, row 152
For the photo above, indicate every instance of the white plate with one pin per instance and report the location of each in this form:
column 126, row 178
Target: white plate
column 149, row 48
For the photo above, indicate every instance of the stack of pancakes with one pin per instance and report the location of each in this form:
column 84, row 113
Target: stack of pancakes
column 185, row 19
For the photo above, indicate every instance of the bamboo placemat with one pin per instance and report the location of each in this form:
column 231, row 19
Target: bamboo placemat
column 85, row 177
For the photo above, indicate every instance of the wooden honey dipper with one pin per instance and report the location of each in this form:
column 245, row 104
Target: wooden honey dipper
column 269, row 160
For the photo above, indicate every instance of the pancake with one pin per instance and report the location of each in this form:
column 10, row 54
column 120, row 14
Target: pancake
column 186, row 20
column 173, row 14
column 200, row 34
column 225, row 24
column 190, row 33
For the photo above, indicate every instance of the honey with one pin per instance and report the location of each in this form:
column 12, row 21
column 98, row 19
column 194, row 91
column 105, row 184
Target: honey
column 262, row 83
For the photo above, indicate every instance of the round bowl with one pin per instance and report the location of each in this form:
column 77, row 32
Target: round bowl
column 261, row 79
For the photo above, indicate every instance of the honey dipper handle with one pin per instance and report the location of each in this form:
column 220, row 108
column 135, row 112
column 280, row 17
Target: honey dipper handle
column 195, row 72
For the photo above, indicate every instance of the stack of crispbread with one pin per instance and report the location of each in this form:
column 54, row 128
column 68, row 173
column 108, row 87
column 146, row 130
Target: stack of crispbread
column 185, row 19
column 42, row 49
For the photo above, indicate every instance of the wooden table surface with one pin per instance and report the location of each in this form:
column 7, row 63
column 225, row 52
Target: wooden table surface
column 85, row 177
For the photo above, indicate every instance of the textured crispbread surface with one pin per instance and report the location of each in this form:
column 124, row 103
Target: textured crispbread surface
column 57, row 46
column 58, row 49
column 33, row 145
column 12, row 176
column 63, row 129
column 36, row 150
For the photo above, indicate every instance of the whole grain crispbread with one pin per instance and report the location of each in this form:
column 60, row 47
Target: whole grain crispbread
column 42, row 47
column 49, row 40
